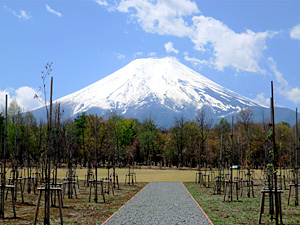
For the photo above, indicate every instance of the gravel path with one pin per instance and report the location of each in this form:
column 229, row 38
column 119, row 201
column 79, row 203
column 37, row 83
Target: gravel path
column 160, row 203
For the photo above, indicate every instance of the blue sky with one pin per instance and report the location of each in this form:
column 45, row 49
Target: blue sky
column 241, row 45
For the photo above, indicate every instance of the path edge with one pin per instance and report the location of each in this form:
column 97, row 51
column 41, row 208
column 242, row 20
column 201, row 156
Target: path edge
column 197, row 204
column 124, row 205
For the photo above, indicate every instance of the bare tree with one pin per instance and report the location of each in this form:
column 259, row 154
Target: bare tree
column 204, row 122
column 244, row 119
column 179, row 136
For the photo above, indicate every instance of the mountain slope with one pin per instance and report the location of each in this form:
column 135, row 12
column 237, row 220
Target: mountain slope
column 163, row 88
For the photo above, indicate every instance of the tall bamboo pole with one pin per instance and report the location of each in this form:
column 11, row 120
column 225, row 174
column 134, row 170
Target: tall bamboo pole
column 199, row 152
column 56, row 158
column 96, row 160
column 296, row 155
column 275, row 161
column 231, row 161
column 28, row 162
column 249, row 163
column 48, row 168
column 15, row 165
column 206, row 153
column 271, row 173
column 114, row 156
column 220, row 166
column 70, row 161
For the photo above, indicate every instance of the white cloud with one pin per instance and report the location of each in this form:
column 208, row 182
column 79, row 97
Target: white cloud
column 295, row 32
column 239, row 51
column 162, row 17
column 261, row 99
column 49, row 9
column 2, row 99
column 279, row 77
column 102, row 2
column 24, row 15
column 152, row 54
column 21, row 15
column 292, row 94
column 120, row 56
column 23, row 95
column 138, row 54
column 25, row 98
column 169, row 48
column 194, row 61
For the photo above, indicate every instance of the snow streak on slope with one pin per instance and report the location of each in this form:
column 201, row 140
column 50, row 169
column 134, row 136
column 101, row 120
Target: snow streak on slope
column 165, row 82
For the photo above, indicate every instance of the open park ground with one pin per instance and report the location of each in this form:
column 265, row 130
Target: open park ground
column 80, row 211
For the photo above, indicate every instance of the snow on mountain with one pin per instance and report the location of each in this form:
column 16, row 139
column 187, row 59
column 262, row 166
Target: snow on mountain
column 163, row 88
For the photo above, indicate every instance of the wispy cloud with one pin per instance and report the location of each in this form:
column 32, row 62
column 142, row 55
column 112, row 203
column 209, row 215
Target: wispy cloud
column 49, row 9
column 262, row 99
column 295, row 32
column 24, row 15
column 102, row 2
column 195, row 61
column 291, row 93
column 279, row 77
column 169, row 48
column 239, row 51
column 119, row 55
column 137, row 54
column 3, row 93
column 152, row 54
column 162, row 17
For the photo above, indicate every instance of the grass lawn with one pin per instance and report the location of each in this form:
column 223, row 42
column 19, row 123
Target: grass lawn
column 244, row 212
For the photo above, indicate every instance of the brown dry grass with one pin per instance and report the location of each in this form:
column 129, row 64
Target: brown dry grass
column 154, row 174
column 75, row 211
column 143, row 175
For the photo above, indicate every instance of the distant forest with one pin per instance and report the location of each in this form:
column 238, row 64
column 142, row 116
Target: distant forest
column 122, row 141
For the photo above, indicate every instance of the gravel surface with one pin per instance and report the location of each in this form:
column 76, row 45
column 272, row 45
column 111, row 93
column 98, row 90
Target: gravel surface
column 160, row 203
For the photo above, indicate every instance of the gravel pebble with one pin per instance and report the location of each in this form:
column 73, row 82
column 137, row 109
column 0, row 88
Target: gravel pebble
column 160, row 203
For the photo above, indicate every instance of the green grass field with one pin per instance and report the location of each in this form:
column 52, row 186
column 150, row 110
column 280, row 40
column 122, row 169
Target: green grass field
column 244, row 211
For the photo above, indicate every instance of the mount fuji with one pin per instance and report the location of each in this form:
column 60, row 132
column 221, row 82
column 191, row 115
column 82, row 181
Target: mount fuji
column 160, row 88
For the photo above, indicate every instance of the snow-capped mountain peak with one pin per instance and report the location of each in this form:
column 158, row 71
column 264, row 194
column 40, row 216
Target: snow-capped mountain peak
column 163, row 88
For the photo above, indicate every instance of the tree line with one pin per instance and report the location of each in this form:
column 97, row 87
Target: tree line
column 123, row 141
